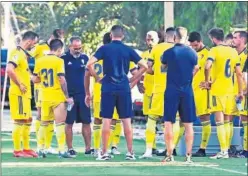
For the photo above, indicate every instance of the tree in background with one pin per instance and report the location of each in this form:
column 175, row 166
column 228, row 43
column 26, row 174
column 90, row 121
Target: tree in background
column 91, row 20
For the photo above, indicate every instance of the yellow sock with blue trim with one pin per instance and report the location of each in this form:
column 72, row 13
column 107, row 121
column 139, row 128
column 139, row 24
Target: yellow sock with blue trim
column 41, row 138
column 49, row 131
column 150, row 131
column 245, row 125
column 206, row 133
column 97, row 133
column 26, row 136
column 37, row 127
column 60, row 135
column 111, row 136
column 221, row 134
column 117, row 133
column 227, row 131
column 16, row 136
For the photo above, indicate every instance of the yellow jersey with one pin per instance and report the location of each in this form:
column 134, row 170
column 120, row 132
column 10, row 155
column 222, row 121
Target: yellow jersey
column 224, row 60
column 242, row 57
column 159, row 74
column 40, row 50
column 148, row 78
column 37, row 52
column 48, row 68
column 99, row 71
column 199, row 77
column 19, row 59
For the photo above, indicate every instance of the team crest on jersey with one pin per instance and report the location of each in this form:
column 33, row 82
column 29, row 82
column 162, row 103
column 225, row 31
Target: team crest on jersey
column 15, row 57
column 82, row 62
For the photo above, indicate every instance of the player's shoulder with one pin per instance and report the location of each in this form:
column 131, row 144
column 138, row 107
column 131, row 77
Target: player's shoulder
column 244, row 51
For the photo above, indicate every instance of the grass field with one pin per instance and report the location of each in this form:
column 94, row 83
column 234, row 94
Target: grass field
column 86, row 165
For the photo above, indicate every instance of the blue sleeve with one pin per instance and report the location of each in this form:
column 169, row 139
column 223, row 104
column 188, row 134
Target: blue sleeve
column 99, row 54
column 86, row 58
column 165, row 57
column 134, row 56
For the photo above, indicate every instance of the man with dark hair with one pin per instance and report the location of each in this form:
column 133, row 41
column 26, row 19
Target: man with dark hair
column 49, row 71
column 20, row 95
column 75, row 61
column 202, row 96
column 228, row 39
column 224, row 65
column 37, row 52
column 240, row 43
column 178, row 96
column 115, row 86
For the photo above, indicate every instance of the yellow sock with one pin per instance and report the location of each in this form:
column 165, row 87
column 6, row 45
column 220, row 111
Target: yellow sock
column 206, row 132
column 245, row 124
column 231, row 133
column 49, row 135
column 150, row 131
column 26, row 135
column 117, row 133
column 221, row 133
column 97, row 135
column 37, row 127
column 16, row 136
column 60, row 135
column 227, row 131
column 176, row 131
column 154, row 146
column 111, row 136
column 181, row 132
column 41, row 134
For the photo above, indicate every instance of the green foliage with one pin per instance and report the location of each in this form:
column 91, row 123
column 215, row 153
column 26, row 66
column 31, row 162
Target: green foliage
column 91, row 20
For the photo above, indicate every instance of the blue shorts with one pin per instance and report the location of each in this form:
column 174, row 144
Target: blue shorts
column 121, row 100
column 79, row 112
column 179, row 101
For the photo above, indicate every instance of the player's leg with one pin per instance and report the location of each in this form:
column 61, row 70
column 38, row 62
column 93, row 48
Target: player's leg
column 117, row 136
column 70, row 118
column 188, row 116
column 218, row 109
column 178, row 133
column 97, row 128
column 60, row 113
column 112, row 130
column 84, row 117
column 125, row 112
column 19, row 118
column 38, row 118
column 171, row 105
column 156, row 110
column 108, row 100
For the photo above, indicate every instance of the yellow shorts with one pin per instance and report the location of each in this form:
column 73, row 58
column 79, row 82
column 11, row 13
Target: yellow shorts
column 202, row 102
column 20, row 107
column 231, row 107
column 146, row 104
column 219, row 103
column 37, row 97
column 47, row 110
column 97, row 109
column 244, row 112
column 157, row 104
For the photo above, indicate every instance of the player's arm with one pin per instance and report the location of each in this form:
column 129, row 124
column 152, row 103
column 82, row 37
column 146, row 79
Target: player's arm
column 150, row 64
column 12, row 64
column 62, row 80
column 142, row 69
column 87, row 87
column 35, row 76
column 196, row 69
column 239, row 76
column 164, row 59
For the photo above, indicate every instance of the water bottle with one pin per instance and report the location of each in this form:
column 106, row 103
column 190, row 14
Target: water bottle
column 238, row 104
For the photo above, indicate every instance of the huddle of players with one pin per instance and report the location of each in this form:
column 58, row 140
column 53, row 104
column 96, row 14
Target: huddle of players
column 217, row 95
column 207, row 101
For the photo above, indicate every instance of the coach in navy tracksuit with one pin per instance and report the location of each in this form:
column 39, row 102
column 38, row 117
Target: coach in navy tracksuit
column 181, row 61
column 115, row 90
column 75, row 62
